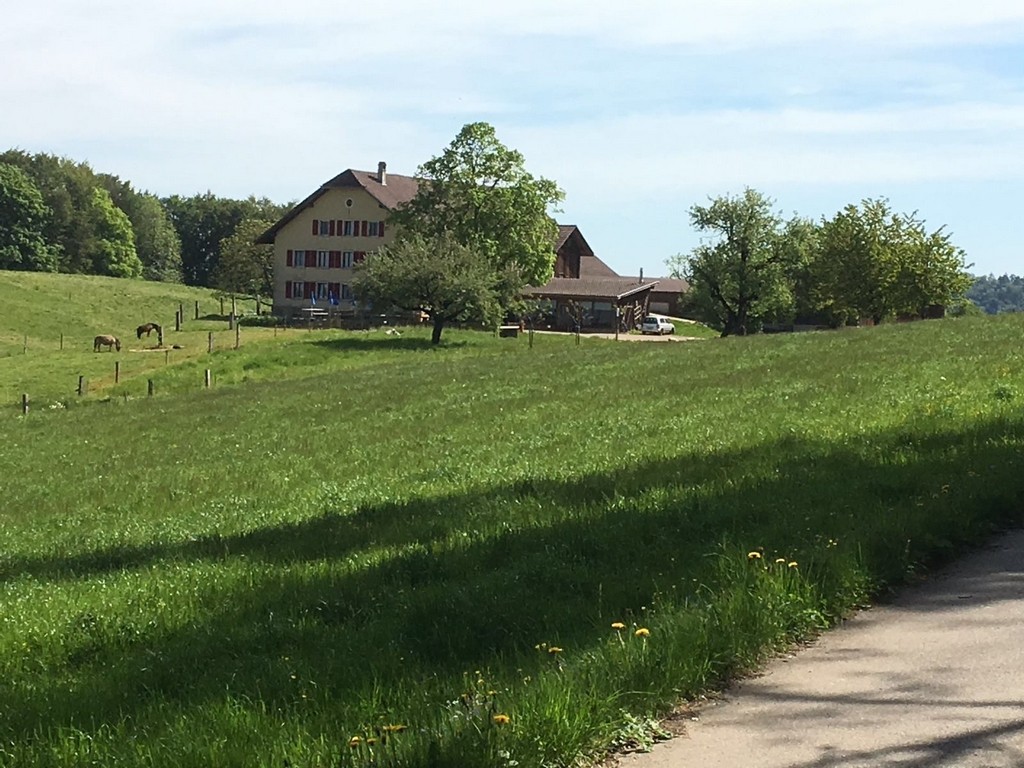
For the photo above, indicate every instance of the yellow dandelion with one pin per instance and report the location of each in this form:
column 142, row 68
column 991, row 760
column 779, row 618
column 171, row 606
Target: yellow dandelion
column 554, row 649
column 753, row 555
column 355, row 741
column 618, row 625
column 371, row 741
column 792, row 564
column 642, row 632
column 394, row 728
column 780, row 559
column 501, row 719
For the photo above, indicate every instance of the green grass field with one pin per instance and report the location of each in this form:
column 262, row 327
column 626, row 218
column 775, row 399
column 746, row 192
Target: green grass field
column 359, row 550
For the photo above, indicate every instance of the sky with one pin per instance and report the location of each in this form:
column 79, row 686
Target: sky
column 638, row 110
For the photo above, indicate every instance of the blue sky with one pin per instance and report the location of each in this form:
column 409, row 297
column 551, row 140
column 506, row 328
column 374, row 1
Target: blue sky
column 638, row 110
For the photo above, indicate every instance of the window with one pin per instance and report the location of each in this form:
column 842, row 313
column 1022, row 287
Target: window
column 325, row 228
column 373, row 228
column 346, row 292
column 294, row 290
column 322, row 259
column 298, row 259
column 321, row 290
column 348, row 229
column 346, row 259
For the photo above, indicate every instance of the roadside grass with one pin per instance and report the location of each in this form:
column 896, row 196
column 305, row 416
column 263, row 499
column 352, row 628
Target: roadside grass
column 357, row 550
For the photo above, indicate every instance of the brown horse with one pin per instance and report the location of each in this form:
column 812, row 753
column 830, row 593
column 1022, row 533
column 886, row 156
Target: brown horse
column 110, row 342
column 147, row 329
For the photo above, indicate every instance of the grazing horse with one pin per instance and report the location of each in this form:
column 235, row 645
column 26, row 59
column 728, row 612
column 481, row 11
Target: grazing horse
column 110, row 342
column 147, row 329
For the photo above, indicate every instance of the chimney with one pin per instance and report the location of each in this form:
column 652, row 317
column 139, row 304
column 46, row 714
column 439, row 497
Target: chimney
column 382, row 173
column 641, row 275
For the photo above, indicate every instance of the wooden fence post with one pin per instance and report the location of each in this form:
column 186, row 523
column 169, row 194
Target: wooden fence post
column 117, row 371
column 25, row 349
column 160, row 337
column 149, row 387
column 62, row 341
column 177, row 321
column 238, row 331
column 207, row 379
column 234, row 309
column 24, row 403
column 167, row 356
column 197, row 309
column 82, row 385
column 181, row 312
column 209, row 341
column 231, row 321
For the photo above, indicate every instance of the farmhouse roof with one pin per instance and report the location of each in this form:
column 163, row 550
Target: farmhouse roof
column 592, row 288
column 398, row 189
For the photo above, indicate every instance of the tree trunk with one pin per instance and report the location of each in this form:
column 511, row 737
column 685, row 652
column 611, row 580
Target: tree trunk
column 435, row 337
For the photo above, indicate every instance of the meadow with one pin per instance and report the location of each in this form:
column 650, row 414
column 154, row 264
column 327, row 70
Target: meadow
column 359, row 550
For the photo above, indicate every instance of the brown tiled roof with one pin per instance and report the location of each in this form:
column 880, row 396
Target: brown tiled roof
column 667, row 284
column 399, row 189
column 591, row 266
column 591, row 288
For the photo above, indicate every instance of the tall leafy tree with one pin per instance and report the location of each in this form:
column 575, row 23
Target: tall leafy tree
column 204, row 221
column 741, row 275
column 245, row 267
column 67, row 189
column 23, row 214
column 478, row 193
column 877, row 263
column 156, row 241
column 110, row 248
column 440, row 276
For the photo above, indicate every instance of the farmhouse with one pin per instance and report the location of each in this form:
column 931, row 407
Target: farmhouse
column 319, row 241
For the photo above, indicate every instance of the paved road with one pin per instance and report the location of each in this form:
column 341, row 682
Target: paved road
column 935, row 678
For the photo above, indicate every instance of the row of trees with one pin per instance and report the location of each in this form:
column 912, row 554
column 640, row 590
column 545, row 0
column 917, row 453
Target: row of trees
column 867, row 261
column 998, row 294
column 60, row 215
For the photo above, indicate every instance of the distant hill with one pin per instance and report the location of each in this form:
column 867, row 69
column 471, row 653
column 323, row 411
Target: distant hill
column 998, row 294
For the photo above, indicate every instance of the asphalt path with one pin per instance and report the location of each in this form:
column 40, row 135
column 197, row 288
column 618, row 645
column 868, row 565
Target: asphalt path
column 934, row 678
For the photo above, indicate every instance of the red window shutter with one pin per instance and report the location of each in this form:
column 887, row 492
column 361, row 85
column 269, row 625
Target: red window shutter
column 310, row 288
column 358, row 256
column 365, row 227
column 380, row 229
column 316, row 227
column 330, row 228
column 288, row 290
column 289, row 259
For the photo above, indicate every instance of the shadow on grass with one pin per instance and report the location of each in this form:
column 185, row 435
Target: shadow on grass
column 379, row 340
column 389, row 594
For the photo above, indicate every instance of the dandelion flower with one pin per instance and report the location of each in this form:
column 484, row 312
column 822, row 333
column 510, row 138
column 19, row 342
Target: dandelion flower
column 792, row 564
column 355, row 741
column 618, row 625
column 642, row 632
column 371, row 741
column 393, row 728
column 554, row 649
column 780, row 559
column 501, row 719
column 753, row 555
